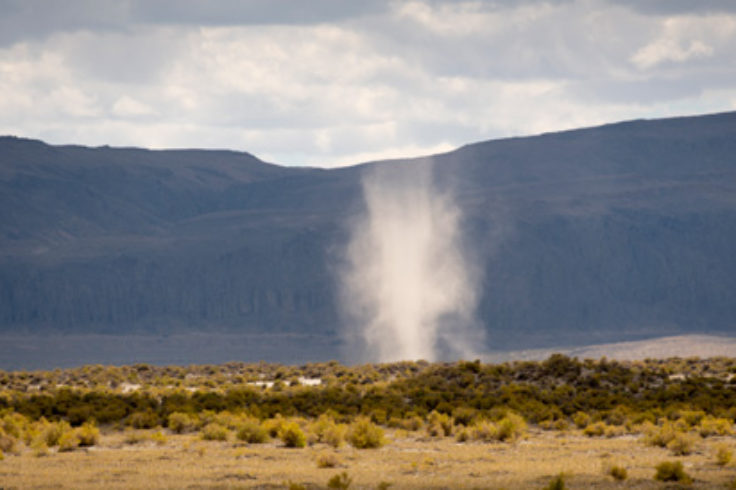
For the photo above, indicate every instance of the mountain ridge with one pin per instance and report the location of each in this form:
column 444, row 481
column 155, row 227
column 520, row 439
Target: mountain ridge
column 612, row 233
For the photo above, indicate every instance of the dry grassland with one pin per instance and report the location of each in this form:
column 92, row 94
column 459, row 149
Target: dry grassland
column 409, row 460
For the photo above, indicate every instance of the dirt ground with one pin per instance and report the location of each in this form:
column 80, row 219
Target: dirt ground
column 409, row 460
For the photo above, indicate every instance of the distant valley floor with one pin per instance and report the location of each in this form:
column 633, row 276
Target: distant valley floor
column 658, row 348
column 63, row 351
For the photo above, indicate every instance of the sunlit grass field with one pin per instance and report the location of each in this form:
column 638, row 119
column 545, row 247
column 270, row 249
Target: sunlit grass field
column 559, row 423
column 407, row 460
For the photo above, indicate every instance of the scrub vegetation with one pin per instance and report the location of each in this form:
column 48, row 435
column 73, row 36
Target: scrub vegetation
column 561, row 421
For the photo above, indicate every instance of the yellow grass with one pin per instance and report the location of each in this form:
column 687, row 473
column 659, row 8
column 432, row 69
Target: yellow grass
column 411, row 461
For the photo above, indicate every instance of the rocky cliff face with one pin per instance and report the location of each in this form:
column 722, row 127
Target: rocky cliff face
column 612, row 233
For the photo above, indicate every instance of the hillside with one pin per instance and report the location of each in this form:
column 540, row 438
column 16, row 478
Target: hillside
column 615, row 233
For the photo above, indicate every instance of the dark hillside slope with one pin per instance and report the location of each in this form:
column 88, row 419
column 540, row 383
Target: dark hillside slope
column 611, row 233
column 622, row 230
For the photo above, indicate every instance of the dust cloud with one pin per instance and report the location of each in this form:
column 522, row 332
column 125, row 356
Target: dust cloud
column 408, row 287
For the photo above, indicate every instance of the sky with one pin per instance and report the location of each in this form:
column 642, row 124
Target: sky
column 336, row 82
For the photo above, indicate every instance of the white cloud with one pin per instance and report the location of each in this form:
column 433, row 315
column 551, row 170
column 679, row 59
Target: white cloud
column 127, row 106
column 414, row 78
column 668, row 49
column 685, row 38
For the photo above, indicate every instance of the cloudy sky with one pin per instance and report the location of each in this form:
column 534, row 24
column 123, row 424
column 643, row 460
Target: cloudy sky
column 334, row 82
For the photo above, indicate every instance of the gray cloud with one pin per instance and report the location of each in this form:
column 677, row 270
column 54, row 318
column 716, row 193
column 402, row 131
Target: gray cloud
column 251, row 12
column 24, row 19
column 331, row 82
column 673, row 7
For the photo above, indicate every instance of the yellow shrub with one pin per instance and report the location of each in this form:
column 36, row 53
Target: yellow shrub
column 691, row 417
column 439, row 424
column 510, row 428
column 723, row 455
column 485, row 431
column 180, row 422
column 364, row 434
column 711, row 426
column 615, row 430
column 39, row 447
column 672, row 471
column 273, row 426
column 7, row 442
column 617, row 472
column 68, row 441
column 335, row 435
column 660, row 435
column 581, row 420
column 462, row 435
column 13, row 424
column 292, row 435
column 596, row 429
column 52, row 432
column 159, row 438
column 88, row 434
column 327, row 460
column 214, row 432
column 252, row 432
column 682, row 444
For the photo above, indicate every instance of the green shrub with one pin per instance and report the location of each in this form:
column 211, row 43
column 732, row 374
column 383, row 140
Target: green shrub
column 292, row 435
column 672, row 471
column 214, row 432
column 364, row 434
column 143, row 420
column 617, row 472
column 378, row 416
column 581, row 420
column 252, row 432
column 181, row 422
column 340, row 481
column 411, row 423
column 723, row 455
column 464, row 416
